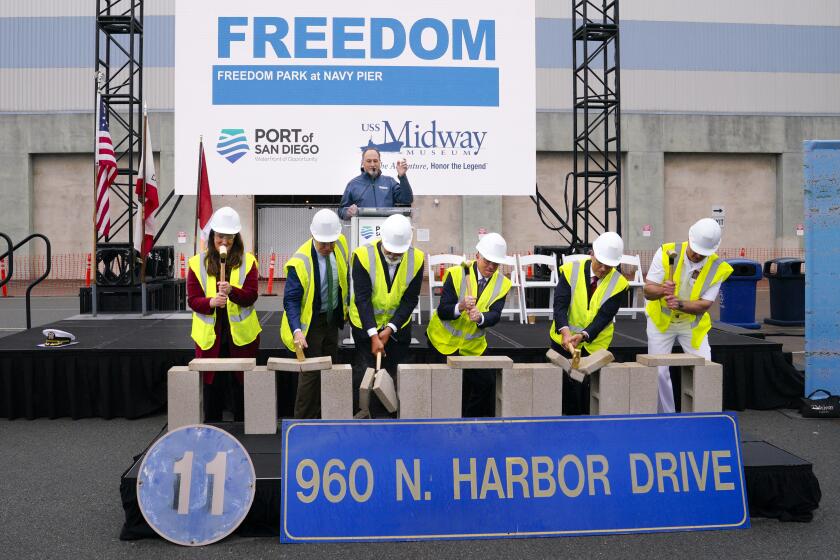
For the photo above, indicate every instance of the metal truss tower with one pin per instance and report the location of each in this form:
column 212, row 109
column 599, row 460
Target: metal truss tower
column 119, row 79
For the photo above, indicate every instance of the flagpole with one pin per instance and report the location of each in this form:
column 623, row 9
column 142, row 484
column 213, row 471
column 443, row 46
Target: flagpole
column 198, row 192
column 96, row 117
column 144, row 157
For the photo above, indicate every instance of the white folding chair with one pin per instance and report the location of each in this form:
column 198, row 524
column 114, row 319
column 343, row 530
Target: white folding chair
column 434, row 262
column 637, row 287
column 515, row 288
column 524, row 261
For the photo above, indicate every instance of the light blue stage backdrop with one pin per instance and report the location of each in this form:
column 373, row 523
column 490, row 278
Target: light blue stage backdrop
column 445, row 479
column 822, row 261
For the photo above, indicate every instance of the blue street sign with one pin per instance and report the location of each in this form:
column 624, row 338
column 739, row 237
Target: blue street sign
column 196, row 485
column 524, row 477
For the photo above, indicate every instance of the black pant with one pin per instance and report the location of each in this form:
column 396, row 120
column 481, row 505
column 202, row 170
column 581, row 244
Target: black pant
column 396, row 352
column 322, row 340
column 224, row 391
column 478, row 388
column 575, row 394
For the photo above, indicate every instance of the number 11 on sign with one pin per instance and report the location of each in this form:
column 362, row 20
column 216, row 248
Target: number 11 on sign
column 216, row 468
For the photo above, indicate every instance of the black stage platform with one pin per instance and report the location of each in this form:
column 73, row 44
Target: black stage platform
column 118, row 368
column 779, row 485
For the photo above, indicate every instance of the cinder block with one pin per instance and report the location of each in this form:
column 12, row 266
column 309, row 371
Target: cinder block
column 558, row 360
column 292, row 365
column 514, row 391
column 479, row 362
column 577, row 375
column 337, row 392
column 414, row 383
column 365, row 389
column 184, row 397
column 656, row 360
column 260, row 401
column 318, row 363
column 702, row 388
column 446, row 391
column 547, row 394
column 385, row 390
column 223, row 364
column 644, row 388
column 595, row 361
column 609, row 390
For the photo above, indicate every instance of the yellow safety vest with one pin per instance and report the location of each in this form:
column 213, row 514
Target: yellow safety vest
column 302, row 262
column 582, row 310
column 462, row 334
column 714, row 271
column 385, row 302
column 244, row 324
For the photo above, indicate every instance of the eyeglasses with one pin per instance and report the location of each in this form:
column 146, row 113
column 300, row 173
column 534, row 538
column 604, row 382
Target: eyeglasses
column 225, row 237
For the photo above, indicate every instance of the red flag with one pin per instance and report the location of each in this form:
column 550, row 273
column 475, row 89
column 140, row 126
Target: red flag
column 106, row 170
column 205, row 203
column 144, row 232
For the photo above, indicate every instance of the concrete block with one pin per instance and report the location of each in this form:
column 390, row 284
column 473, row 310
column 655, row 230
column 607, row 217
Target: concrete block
column 577, row 375
column 446, row 391
column 547, row 393
column 479, row 362
column 260, row 401
column 702, row 388
column 184, row 397
column 656, row 360
column 609, row 390
column 384, row 389
column 223, row 364
column 292, row 365
column 595, row 361
column 644, row 388
column 558, row 359
column 414, row 382
column 318, row 363
column 365, row 389
column 515, row 391
column 337, row 392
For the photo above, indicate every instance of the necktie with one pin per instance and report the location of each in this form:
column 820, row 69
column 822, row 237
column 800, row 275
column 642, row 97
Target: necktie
column 593, row 286
column 481, row 283
column 330, row 289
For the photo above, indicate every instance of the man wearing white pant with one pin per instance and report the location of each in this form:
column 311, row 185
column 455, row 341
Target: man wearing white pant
column 681, row 285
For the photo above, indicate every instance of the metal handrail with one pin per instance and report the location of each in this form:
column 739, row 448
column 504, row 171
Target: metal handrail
column 38, row 280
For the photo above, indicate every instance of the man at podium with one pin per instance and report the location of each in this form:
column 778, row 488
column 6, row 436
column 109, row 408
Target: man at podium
column 372, row 189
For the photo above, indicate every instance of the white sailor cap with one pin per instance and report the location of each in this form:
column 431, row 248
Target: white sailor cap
column 56, row 337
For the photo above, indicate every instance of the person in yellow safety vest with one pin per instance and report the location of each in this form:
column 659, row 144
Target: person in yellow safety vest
column 387, row 276
column 315, row 303
column 460, row 320
column 681, row 285
column 224, row 322
column 586, row 299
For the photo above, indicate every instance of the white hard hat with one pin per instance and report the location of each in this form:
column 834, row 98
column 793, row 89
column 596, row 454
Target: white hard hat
column 493, row 247
column 225, row 220
column 396, row 233
column 325, row 226
column 608, row 248
column 704, row 237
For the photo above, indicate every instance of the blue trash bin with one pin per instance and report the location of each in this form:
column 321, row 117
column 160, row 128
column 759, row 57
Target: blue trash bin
column 737, row 294
column 787, row 291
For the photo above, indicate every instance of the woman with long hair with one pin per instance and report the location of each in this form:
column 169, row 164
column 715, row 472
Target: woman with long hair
column 224, row 323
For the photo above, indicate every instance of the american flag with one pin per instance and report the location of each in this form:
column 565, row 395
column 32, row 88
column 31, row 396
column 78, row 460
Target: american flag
column 106, row 171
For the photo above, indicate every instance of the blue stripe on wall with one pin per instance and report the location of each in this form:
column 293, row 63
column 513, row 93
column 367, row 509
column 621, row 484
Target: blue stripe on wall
column 67, row 42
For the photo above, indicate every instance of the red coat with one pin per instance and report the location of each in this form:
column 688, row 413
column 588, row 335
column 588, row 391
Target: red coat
column 200, row 303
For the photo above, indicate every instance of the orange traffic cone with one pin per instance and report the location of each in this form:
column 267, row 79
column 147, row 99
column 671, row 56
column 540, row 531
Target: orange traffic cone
column 183, row 266
column 270, row 288
column 3, row 277
column 87, row 272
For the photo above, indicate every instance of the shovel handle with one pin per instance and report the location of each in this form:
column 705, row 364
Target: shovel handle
column 378, row 361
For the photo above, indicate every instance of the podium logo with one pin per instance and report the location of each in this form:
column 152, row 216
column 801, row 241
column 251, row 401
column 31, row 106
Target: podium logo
column 232, row 144
column 367, row 232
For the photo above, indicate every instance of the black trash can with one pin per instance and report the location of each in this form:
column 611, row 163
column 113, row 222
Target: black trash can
column 737, row 294
column 787, row 291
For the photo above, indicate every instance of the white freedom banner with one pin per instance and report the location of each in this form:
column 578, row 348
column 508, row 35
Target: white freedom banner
column 287, row 95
